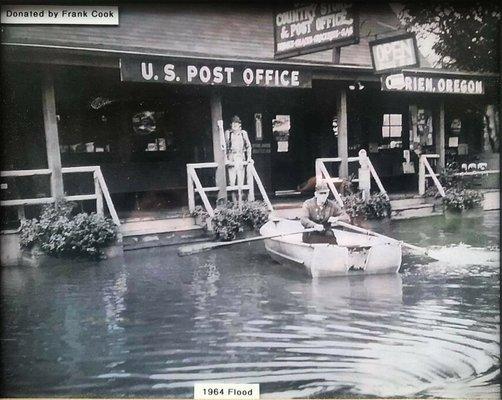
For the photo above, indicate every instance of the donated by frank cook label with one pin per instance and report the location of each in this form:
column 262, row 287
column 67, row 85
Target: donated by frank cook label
column 212, row 74
column 411, row 83
column 226, row 391
column 60, row 15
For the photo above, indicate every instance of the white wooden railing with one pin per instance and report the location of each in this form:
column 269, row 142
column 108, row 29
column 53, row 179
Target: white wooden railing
column 425, row 171
column 100, row 191
column 194, row 185
column 322, row 173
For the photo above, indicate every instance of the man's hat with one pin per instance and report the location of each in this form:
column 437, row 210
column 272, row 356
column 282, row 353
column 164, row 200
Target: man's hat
column 321, row 186
column 235, row 118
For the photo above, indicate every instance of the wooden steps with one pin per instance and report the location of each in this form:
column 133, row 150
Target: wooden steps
column 414, row 207
column 153, row 226
column 146, row 241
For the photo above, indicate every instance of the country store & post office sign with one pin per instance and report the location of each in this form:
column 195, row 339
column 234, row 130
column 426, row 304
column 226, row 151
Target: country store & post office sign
column 314, row 27
column 212, row 73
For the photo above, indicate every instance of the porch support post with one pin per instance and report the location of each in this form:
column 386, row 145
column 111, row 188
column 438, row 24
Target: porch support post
column 51, row 135
column 343, row 151
column 336, row 55
column 218, row 153
column 440, row 142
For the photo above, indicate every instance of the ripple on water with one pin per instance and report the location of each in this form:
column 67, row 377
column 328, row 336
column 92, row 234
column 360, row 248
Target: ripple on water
column 153, row 328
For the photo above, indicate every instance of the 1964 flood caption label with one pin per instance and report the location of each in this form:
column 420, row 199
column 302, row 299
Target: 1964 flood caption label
column 226, row 391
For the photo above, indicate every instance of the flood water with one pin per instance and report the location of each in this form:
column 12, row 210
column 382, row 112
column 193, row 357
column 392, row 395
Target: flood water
column 155, row 324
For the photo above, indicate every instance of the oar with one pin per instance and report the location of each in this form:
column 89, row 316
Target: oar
column 368, row 232
column 201, row 247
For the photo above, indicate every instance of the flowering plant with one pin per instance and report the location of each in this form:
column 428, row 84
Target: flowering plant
column 462, row 199
column 59, row 233
column 229, row 218
column 376, row 207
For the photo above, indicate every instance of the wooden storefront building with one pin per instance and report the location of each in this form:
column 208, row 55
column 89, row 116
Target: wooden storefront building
column 142, row 99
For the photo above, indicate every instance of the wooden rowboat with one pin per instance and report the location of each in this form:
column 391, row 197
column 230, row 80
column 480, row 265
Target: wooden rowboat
column 353, row 254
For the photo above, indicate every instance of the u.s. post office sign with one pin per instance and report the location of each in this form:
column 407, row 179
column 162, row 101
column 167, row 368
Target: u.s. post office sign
column 212, row 73
column 394, row 53
column 432, row 84
column 314, row 27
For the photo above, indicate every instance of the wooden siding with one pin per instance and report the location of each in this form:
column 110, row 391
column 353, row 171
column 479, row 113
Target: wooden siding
column 240, row 31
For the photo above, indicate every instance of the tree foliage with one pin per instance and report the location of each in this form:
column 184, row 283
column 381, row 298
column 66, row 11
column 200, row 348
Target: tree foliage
column 467, row 34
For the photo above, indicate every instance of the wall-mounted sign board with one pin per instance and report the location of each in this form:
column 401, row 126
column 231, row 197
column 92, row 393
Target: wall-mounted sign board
column 314, row 27
column 212, row 73
column 394, row 53
column 408, row 82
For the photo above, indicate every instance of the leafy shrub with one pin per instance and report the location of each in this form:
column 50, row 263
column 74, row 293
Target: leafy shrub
column 462, row 199
column 229, row 219
column 226, row 223
column 201, row 213
column 449, row 180
column 61, row 234
column 447, row 176
column 376, row 207
column 254, row 214
column 354, row 205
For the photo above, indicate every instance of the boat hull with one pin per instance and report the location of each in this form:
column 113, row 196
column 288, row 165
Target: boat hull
column 355, row 254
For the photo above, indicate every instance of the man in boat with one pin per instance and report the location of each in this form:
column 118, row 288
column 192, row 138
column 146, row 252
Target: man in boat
column 320, row 213
column 238, row 151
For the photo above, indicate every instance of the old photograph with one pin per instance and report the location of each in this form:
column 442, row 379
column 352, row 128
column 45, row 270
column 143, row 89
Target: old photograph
column 249, row 200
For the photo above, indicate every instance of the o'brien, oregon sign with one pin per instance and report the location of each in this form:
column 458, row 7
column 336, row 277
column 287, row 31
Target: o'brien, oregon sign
column 394, row 53
column 213, row 73
column 314, row 27
column 427, row 84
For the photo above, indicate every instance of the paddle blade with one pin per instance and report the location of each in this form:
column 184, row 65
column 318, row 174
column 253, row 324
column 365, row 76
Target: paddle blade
column 196, row 248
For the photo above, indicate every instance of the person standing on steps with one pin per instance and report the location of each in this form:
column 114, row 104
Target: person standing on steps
column 238, row 151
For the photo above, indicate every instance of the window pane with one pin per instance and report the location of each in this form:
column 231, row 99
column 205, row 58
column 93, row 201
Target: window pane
column 385, row 131
column 395, row 131
column 385, row 119
column 396, row 119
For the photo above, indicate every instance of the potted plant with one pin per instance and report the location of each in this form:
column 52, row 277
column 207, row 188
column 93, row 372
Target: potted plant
column 230, row 219
column 376, row 207
column 463, row 202
column 60, row 233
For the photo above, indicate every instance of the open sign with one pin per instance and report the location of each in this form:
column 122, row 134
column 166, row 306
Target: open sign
column 394, row 53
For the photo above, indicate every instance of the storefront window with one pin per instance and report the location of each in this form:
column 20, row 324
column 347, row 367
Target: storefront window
column 425, row 127
column 150, row 131
column 392, row 125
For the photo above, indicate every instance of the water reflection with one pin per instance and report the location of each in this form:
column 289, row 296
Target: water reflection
column 156, row 324
column 113, row 299
column 347, row 290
